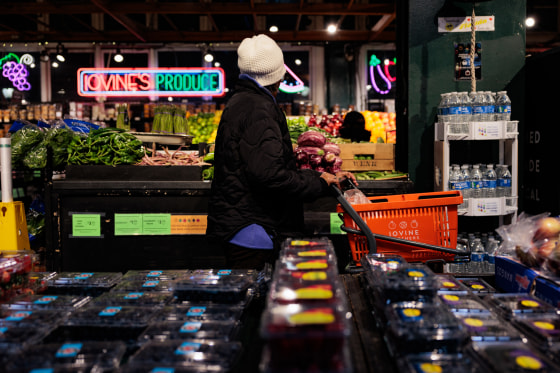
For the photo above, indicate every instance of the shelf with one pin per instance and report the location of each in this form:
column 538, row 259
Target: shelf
column 498, row 130
column 499, row 206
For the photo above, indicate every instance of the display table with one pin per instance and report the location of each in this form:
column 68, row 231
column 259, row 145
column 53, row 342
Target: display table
column 91, row 224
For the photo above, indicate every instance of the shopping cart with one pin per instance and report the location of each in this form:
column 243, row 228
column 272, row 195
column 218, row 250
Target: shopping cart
column 420, row 227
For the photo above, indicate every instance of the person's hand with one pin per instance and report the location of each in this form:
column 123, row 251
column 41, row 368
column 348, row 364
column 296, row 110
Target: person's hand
column 336, row 179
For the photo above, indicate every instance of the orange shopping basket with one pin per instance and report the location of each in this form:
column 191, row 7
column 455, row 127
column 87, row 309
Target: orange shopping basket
column 419, row 227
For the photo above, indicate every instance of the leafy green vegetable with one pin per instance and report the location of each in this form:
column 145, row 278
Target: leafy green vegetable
column 23, row 141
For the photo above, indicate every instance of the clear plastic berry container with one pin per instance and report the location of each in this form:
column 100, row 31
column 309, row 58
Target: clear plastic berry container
column 417, row 327
column 143, row 285
column 414, row 282
column 512, row 357
column 509, row 305
column 134, row 298
column 15, row 337
column 47, row 302
column 32, row 317
column 306, row 243
column 305, row 264
column 541, row 330
column 487, row 327
column 328, row 291
column 76, row 355
column 200, row 311
column 83, row 283
column 147, row 274
column 478, row 286
column 219, row 355
column 448, row 283
column 296, row 333
column 191, row 329
column 224, row 286
column 376, row 265
column 465, row 302
column 442, row 363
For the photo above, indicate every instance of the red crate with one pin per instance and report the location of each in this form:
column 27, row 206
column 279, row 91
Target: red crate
column 429, row 218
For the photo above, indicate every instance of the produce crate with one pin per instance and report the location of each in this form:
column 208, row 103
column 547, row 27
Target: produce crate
column 367, row 156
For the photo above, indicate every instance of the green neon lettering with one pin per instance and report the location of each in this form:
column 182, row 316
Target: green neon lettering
column 177, row 86
column 168, row 82
column 196, row 83
column 204, row 82
column 159, row 81
column 214, row 82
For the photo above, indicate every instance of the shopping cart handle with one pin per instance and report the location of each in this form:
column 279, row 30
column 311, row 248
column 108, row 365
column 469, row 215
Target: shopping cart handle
column 356, row 217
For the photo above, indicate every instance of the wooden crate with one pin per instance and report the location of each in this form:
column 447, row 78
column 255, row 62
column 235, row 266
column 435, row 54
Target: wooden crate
column 380, row 157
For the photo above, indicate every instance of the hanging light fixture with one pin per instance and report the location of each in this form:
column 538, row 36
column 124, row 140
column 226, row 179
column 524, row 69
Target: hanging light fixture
column 118, row 57
column 60, row 53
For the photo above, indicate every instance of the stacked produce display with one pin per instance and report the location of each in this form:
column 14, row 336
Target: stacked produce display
column 435, row 322
column 183, row 320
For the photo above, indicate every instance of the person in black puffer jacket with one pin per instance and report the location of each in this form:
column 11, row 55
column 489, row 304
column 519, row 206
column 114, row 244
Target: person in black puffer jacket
column 258, row 192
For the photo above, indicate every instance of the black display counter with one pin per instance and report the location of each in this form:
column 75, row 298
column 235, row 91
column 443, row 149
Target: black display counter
column 83, row 216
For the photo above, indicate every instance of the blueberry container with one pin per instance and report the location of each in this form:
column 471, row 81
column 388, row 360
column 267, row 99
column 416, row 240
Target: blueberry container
column 224, row 286
column 83, row 283
column 487, row 327
column 191, row 329
column 296, row 333
column 100, row 322
column 478, row 286
column 376, row 265
column 16, row 337
column 170, row 368
column 221, row 356
column 414, row 282
column 143, row 285
column 134, row 298
column 76, row 355
column 509, row 305
column 189, row 311
column 450, row 284
column 48, row 302
column 542, row 330
column 441, row 363
column 464, row 303
column 146, row 274
column 418, row 327
column 32, row 317
column 512, row 357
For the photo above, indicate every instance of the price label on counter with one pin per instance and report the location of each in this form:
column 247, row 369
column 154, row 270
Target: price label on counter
column 156, row 223
column 86, row 225
column 336, row 222
column 128, row 224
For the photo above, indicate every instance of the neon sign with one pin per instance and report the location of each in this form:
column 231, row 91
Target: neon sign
column 375, row 65
column 291, row 88
column 162, row 81
column 15, row 70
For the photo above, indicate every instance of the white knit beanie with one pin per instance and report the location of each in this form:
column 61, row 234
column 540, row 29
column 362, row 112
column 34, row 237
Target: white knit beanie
column 262, row 59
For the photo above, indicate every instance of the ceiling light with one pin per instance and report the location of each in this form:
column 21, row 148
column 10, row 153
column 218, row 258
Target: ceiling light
column 331, row 29
column 273, row 28
column 208, row 57
column 54, row 64
column 118, row 57
column 530, row 21
column 297, row 61
column 217, row 64
column 60, row 52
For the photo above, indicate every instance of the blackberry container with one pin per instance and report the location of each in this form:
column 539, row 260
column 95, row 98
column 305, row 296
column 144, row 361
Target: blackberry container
column 509, row 305
column 418, row 327
column 541, row 330
column 303, row 276
column 450, row 284
column 220, row 356
column 376, row 265
column 328, row 291
column 99, row 322
column 140, row 285
column 222, row 286
column 169, row 368
column 306, row 243
column 306, row 264
column 48, row 302
column 76, row 355
column 463, row 303
column 478, row 286
column 83, row 283
column 32, row 317
column 487, row 327
column 200, row 311
column 134, row 298
column 512, row 357
column 305, row 336
column 191, row 329
column 442, row 363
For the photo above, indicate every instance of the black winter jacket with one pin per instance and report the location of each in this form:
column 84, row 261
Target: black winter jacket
column 255, row 175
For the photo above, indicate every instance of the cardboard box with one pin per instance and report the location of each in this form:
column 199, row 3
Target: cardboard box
column 513, row 276
column 548, row 289
column 373, row 156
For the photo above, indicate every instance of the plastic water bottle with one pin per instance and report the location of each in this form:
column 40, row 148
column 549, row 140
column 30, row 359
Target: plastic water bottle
column 489, row 107
column 477, row 264
column 442, row 108
column 454, row 177
column 476, row 182
column 503, row 106
column 491, row 250
column 465, row 109
column 503, row 186
column 453, row 108
column 466, row 182
column 477, row 99
column 489, row 182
